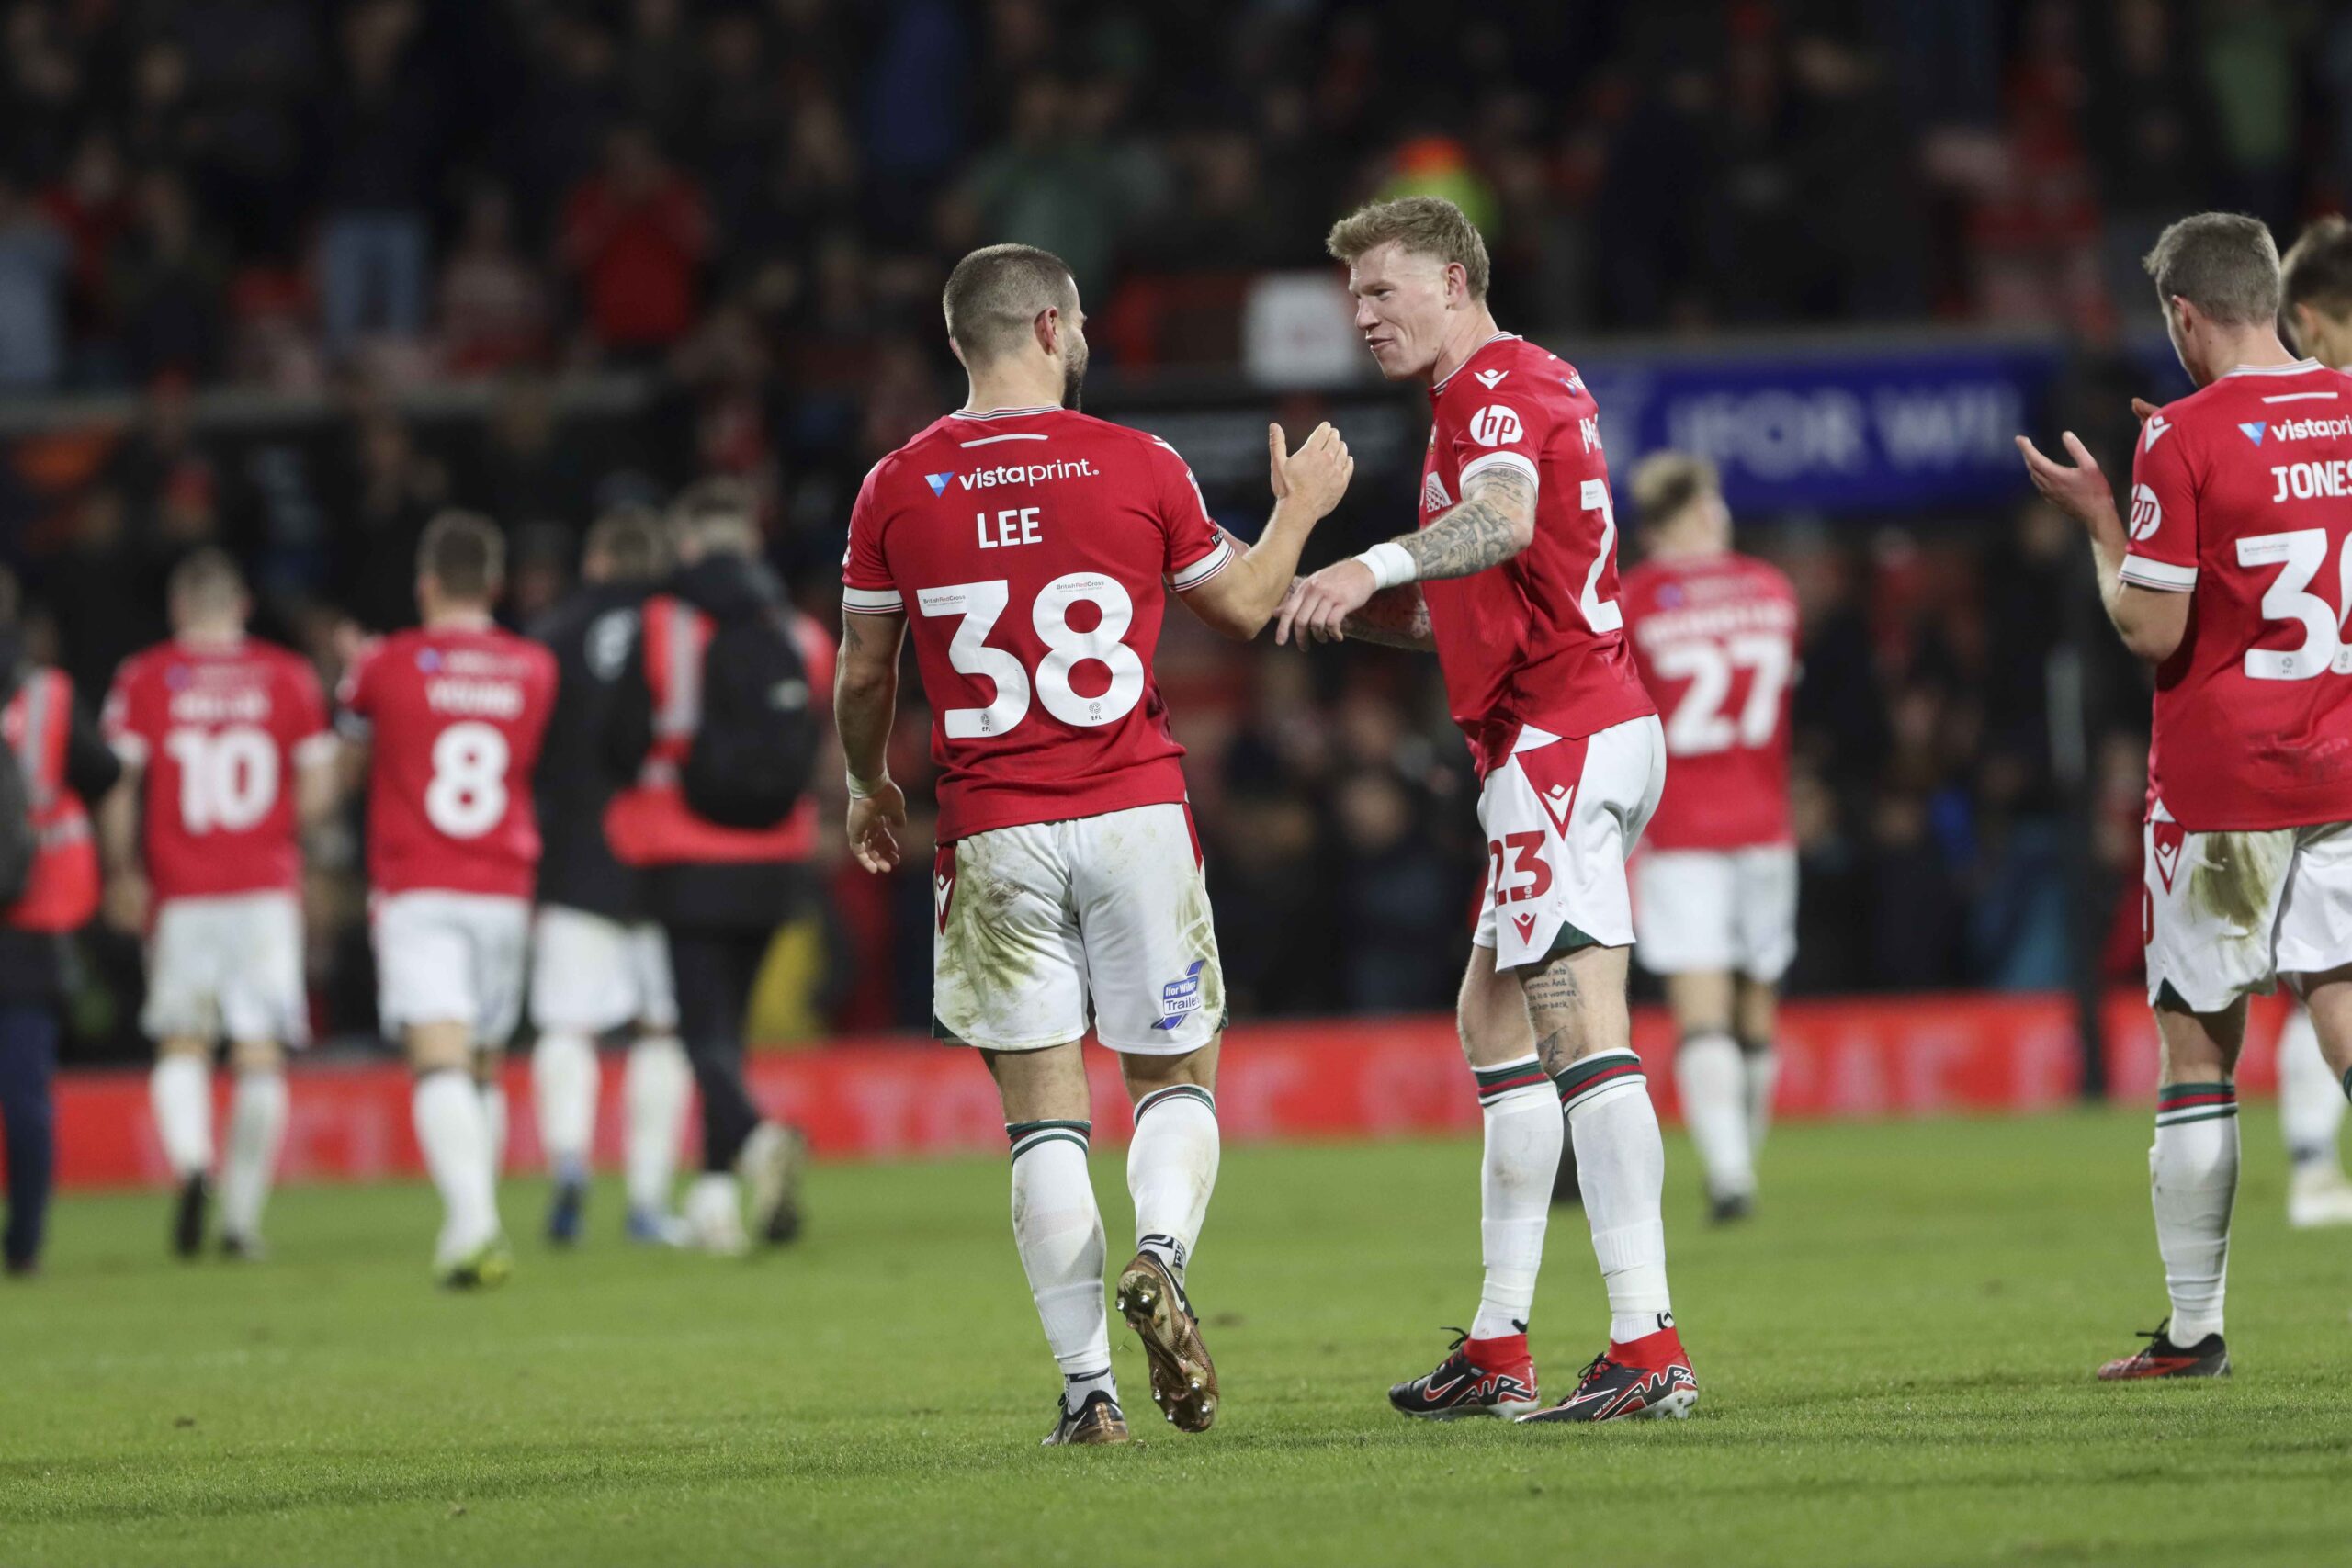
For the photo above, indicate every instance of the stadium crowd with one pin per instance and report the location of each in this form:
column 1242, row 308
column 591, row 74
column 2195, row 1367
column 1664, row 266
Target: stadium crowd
column 747, row 208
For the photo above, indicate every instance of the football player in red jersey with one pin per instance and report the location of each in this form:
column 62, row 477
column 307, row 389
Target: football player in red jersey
column 1511, row 578
column 2229, row 576
column 454, row 713
column 225, row 741
column 1033, row 551
column 1715, row 885
column 2315, row 277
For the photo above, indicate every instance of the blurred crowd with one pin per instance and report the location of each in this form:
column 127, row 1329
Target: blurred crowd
column 745, row 209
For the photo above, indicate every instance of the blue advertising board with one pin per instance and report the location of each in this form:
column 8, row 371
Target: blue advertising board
column 1834, row 429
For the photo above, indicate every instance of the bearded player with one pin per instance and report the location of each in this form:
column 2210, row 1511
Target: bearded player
column 224, row 740
column 1715, row 885
column 2228, row 579
column 1513, row 580
column 453, row 713
column 1034, row 549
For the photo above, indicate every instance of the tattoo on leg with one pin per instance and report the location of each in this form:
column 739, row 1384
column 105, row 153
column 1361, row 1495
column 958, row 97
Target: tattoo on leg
column 1554, row 1006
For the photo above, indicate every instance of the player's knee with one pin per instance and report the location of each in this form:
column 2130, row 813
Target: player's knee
column 1147, row 1074
column 183, row 1046
column 439, row 1047
column 256, row 1057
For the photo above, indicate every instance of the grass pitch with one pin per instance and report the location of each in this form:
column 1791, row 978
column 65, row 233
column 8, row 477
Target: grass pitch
column 1896, row 1360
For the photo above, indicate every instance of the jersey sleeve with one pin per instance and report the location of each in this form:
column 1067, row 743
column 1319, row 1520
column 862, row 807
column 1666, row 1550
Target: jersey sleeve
column 1504, row 428
column 2161, row 552
column 126, row 727
column 309, row 738
column 357, row 693
column 867, row 587
column 1196, row 550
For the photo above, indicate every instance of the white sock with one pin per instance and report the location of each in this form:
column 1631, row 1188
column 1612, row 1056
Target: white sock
column 493, row 1117
column 1621, row 1164
column 1524, row 1132
column 256, row 1132
column 1763, row 1066
column 180, row 1090
column 1171, row 1170
column 565, row 1079
column 454, row 1132
column 1058, row 1230
column 655, row 1087
column 1714, row 1084
column 2310, row 1101
column 2193, row 1179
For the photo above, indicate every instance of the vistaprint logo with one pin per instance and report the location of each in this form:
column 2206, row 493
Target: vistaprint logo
column 2310, row 430
column 1012, row 474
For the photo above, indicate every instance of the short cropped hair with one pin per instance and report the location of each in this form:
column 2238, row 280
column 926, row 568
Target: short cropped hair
column 464, row 555
column 2318, row 268
column 996, row 293
column 2226, row 264
column 718, row 513
column 1665, row 483
column 1425, row 225
column 209, row 579
column 634, row 541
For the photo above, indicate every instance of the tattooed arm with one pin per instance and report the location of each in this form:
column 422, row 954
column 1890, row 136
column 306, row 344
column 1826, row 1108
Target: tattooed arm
column 1495, row 520
column 1393, row 618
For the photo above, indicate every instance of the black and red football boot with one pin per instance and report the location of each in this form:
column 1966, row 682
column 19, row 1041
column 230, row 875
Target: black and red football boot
column 1649, row 1378
column 2160, row 1357
column 1478, row 1377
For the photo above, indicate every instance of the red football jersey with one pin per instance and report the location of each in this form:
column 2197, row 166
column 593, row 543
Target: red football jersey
column 2242, row 493
column 1031, row 551
column 1715, row 639
column 1537, row 640
column 456, row 717
column 220, row 729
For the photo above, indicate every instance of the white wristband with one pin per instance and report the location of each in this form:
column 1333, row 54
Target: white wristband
column 1392, row 566
column 865, row 789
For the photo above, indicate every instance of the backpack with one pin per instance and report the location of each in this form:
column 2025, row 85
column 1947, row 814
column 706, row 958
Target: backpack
column 756, row 744
column 18, row 845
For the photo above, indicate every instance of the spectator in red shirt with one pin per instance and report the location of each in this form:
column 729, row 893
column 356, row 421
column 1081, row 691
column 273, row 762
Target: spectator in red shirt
column 636, row 235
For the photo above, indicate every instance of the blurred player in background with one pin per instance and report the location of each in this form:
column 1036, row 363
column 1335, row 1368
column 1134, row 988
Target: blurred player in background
column 598, row 962
column 1512, row 578
column 1715, row 635
column 227, row 756
column 453, row 713
column 2228, row 576
column 2315, row 278
column 720, row 891
column 1036, row 548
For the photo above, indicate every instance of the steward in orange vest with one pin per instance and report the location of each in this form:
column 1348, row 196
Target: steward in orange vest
column 64, row 764
column 718, row 891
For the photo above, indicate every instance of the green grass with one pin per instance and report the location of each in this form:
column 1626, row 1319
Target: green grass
column 1895, row 1360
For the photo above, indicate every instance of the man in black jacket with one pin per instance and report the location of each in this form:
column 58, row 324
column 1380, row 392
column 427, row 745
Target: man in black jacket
column 719, row 892
column 598, row 962
column 60, row 894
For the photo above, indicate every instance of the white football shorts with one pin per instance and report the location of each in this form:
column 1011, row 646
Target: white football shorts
column 227, row 968
column 2225, row 915
column 1561, row 818
column 591, row 975
column 450, row 958
column 1039, row 928
column 1716, row 911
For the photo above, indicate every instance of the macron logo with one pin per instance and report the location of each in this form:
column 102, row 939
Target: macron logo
column 2158, row 426
column 938, row 483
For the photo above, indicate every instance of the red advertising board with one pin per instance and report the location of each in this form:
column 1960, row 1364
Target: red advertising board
column 886, row 1098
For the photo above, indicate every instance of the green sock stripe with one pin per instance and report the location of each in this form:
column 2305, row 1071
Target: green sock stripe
column 1039, row 1140
column 1016, row 1130
column 2182, row 1118
column 1490, row 1076
column 1608, row 1064
column 2194, row 1096
column 1174, row 1092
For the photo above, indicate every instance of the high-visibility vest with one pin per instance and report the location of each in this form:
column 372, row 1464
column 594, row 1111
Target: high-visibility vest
column 61, row 893
column 649, row 823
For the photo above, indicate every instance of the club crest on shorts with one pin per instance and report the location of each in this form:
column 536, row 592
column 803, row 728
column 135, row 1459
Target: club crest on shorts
column 1559, row 801
column 2167, row 839
column 1179, row 998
